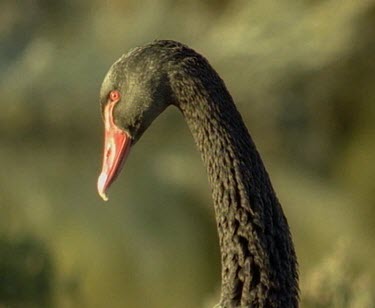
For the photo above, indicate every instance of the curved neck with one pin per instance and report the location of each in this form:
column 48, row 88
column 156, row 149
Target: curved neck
column 259, row 267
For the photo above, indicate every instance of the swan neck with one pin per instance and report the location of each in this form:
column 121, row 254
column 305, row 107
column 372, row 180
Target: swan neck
column 257, row 255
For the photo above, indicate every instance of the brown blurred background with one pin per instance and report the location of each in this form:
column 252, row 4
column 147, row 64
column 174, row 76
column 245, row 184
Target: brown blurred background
column 303, row 76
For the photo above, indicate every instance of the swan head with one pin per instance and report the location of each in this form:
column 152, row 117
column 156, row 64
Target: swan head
column 134, row 92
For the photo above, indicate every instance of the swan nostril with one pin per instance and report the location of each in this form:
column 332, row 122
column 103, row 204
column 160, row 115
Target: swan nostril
column 108, row 153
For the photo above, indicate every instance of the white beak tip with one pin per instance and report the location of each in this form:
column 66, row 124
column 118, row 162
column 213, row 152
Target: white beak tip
column 101, row 186
column 103, row 196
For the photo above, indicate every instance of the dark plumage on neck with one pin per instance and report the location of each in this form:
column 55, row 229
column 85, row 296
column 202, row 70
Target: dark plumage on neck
column 259, row 267
column 257, row 254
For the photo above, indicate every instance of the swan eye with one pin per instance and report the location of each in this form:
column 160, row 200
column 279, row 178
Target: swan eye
column 114, row 95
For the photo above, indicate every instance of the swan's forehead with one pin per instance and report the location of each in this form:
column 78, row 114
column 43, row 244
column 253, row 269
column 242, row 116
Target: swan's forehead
column 112, row 78
column 107, row 84
column 131, row 69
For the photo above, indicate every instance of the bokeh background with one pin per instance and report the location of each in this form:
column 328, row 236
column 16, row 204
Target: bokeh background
column 302, row 74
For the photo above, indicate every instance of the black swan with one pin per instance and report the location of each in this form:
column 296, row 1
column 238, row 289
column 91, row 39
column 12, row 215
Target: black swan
column 259, row 265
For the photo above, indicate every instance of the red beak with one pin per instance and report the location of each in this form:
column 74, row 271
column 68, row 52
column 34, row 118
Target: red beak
column 116, row 148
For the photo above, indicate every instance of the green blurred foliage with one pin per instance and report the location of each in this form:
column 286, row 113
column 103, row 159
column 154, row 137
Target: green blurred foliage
column 302, row 74
column 338, row 282
column 26, row 275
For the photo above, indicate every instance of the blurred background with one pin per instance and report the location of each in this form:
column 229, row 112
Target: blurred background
column 302, row 74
